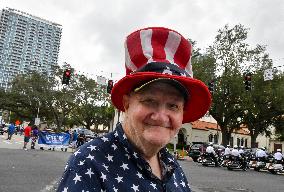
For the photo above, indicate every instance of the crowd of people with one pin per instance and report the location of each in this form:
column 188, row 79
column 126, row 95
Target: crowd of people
column 31, row 134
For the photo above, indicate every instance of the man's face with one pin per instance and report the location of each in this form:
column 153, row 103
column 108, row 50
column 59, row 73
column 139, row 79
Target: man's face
column 154, row 115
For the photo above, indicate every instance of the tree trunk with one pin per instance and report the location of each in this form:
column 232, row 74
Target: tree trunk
column 253, row 140
column 225, row 137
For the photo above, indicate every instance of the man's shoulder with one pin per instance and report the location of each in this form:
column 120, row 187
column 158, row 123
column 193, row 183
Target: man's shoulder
column 94, row 149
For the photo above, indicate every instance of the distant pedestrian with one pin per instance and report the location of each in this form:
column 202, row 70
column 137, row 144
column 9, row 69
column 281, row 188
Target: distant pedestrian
column 27, row 135
column 34, row 136
column 74, row 140
column 81, row 139
column 11, row 131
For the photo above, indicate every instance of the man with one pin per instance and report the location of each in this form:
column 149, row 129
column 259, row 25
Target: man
column 27, row 135
column 11, row 131
column 211, row 152
column 81, row 138
column 235, row 152
column 157, row 95
column 261, row 154
column 278, row 156
column 241, row 150
column 227, row 151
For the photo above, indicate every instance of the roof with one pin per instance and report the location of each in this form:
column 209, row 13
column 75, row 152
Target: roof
column 206, row 126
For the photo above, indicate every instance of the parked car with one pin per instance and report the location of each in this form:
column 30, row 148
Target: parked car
column 88, row 133
column 1, row 130
column 196, row 149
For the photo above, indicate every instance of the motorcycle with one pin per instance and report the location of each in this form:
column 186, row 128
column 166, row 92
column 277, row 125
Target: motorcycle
column 208, row 160
column 237, row 163
column 276, row 167
column 260, row 164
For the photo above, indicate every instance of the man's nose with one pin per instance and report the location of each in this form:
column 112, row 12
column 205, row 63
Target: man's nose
column 160, row 114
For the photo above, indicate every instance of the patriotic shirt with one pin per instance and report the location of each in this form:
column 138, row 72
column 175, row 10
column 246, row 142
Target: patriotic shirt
column 110, row 163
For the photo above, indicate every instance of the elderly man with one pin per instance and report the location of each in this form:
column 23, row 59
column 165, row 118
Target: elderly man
column 157, row 95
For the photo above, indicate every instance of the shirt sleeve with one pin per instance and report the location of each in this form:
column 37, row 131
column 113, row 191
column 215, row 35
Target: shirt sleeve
column 76, row 181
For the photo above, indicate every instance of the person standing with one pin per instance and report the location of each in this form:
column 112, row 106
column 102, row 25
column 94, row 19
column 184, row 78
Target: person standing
column 157, row 95
column 74, row 140
column 27, row 135
column 11, row 131
column 34, row 136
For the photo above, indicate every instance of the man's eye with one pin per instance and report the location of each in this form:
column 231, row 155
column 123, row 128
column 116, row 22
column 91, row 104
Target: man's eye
column 173, row 107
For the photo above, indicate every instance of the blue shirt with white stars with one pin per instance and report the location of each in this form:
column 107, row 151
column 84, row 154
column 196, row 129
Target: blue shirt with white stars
column 111, row 164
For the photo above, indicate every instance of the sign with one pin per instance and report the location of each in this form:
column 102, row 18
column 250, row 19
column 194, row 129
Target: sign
column 268, row 74
column 58, row 140
column 37, row 121
column 101, row 80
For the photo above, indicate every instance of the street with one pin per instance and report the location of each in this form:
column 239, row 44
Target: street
column 40, row 171
column 212, row 179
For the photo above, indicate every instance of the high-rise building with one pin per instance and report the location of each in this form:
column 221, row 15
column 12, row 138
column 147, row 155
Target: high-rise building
column 27, row 43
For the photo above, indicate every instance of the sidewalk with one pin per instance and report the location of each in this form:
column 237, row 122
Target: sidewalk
column 17, row 142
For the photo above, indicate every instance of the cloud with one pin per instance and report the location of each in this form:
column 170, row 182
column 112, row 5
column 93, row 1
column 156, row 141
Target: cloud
column 94, row 31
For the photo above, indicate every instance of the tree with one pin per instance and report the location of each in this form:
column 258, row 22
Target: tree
column 92, row 103
column 224, row 62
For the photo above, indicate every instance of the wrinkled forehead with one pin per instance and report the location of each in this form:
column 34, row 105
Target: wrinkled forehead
column 161, row 88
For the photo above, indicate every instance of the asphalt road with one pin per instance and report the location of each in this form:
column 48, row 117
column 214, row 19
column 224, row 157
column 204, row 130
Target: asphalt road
column 40, row 171
column 219, row 179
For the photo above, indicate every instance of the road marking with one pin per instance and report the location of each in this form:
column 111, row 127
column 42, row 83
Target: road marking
column 50, row 186
column 8, row 142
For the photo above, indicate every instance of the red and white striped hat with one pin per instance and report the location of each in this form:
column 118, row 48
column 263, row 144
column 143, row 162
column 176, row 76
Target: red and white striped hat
column 160, row 53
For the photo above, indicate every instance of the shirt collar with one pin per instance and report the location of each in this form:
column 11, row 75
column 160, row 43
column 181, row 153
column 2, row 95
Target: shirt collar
column 167, row 161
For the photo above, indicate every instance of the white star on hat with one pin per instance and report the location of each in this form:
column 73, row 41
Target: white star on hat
column 167, row 71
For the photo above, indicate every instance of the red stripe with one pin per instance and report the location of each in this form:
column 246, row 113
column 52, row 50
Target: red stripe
column 159, row 39
column 183, row 53
column 135, row 50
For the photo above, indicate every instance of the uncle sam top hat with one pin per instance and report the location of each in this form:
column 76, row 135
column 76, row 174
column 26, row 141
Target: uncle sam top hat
column 158, row 53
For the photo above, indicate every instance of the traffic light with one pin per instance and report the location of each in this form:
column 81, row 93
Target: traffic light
column 248, row 81
column 66, row 76
column 211, row 86
column 109, row 86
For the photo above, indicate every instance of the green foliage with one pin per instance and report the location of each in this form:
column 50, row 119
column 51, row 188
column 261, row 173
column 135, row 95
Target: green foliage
column 225, row 62
column 83, row 102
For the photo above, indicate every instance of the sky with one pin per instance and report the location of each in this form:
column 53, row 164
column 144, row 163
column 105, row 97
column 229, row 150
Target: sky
column 94, row 31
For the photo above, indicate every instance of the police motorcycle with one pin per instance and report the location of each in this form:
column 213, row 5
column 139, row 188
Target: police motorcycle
column 252, row 160
column 236, row 162
column 276, row 167
column 262, row 163
column 208, row 159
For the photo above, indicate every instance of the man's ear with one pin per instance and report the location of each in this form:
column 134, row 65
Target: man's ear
column 125, row 101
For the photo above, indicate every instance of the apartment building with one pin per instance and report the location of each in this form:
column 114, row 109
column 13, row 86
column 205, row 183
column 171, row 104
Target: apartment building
column 27, row 43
